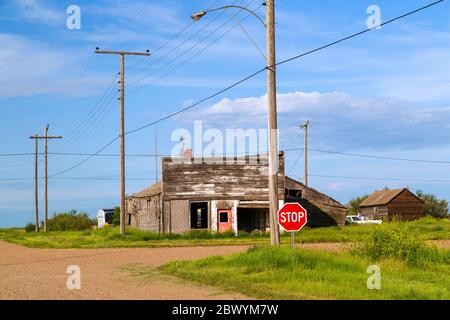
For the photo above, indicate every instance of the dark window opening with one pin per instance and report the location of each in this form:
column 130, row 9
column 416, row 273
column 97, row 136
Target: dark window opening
column 129, row 219
column 250, row 219
column 199, row 215
column 223, row 217
column 294, row 193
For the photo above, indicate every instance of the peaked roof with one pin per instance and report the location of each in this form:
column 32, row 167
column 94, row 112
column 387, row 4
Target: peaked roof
column 149, row 192
column 290, row 184
column 382, row 197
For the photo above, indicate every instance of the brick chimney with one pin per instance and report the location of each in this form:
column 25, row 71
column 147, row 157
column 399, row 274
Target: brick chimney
column 187, row 154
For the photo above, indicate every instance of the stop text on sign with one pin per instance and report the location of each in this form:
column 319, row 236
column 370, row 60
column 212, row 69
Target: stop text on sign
column 290, row 217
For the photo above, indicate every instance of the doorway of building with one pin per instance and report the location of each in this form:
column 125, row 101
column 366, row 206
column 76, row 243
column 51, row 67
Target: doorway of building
column 199, row 215
column 251, row 219
column 224, row 220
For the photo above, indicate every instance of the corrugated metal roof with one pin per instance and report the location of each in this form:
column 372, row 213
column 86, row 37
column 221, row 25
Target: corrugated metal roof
column 381, row 198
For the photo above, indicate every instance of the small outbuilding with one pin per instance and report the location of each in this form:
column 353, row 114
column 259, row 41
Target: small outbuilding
column 392, row 204
column 104, row 216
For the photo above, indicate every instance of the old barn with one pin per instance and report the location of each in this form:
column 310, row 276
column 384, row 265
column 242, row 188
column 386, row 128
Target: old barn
column 222, row 194
column 387, row 204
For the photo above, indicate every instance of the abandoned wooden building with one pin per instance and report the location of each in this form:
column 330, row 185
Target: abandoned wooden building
column 389, row 204
column 224, row 195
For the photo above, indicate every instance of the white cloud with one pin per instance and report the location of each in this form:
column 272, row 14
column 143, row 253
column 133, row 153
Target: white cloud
column 30, row 67
column 34, row 10
column 139, row 12
column 339, row 120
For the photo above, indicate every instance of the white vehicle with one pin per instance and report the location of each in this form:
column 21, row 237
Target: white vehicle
column 361, row 220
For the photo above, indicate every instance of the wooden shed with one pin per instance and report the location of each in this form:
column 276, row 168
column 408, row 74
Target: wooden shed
column 387, row 204
column 322, row 210
column 219, row 194
column 144, row 208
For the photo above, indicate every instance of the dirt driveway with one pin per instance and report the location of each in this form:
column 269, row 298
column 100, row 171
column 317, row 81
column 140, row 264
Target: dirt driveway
column 41, row 273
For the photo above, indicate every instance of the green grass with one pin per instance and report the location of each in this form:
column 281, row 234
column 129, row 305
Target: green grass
column 111, row 238
column 426, row 229
column 273, row 273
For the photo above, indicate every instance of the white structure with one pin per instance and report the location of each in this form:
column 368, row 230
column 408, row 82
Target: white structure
column 104, row 216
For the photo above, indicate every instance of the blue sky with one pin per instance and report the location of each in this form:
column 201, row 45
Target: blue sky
column 385, row 93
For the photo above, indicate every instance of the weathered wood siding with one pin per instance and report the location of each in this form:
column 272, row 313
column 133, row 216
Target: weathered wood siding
column 179, row 216
column 238, row 179
column 375, row 212
column 322, row 209
column 145, row 213
column 406, row 206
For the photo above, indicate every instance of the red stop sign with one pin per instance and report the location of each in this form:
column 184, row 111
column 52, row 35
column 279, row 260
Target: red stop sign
column 292, row 217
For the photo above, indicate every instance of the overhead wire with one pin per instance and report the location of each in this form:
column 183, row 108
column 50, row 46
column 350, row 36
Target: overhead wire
column 153, row 62
column 162, row 76
column 184, row 53
column 246, row 79
column 84, row 123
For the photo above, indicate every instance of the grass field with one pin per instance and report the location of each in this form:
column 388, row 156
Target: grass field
column 409, row 268
column 427, row 229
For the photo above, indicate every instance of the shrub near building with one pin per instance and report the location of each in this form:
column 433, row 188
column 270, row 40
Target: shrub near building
column 70, row 221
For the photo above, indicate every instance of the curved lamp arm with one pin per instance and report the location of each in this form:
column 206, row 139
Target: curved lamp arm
column 198, row 15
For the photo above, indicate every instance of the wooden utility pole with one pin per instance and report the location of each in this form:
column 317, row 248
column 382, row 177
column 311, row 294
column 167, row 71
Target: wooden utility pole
column 273, row 127
column 156, row 156
column 36, row 185
column 122, row 127
column 45, row 138
column 305, row 152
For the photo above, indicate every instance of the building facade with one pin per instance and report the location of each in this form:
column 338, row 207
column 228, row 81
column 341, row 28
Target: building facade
column 399, row 204
column 220, row 194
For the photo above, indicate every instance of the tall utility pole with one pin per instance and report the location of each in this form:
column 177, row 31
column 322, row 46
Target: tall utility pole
column 272, row 109
column 273, row 127
column 156, row 156
column 122, row 127
column 36, row 185
column 305, row 153
column 45, row 138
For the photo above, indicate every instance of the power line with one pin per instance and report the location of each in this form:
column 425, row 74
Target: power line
column 185, row 52
column 100, row 179
column 296, row 161
column 16, row 154
column 87, row 159
column 102, row 154
column 76, row 134
column 91, row 124
column 285, row 61
column 198, row 102
column 153, row 62
column 372, row 156
column 191, row 57
column 105, row 94
column 381, row 179
column 312, row 175
column 76, row 178
column 380, row 157
column 249, row 77
column 285, row 150
column 359, row 33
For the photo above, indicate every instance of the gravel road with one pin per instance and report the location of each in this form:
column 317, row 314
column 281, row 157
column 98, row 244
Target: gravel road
column 27, row 273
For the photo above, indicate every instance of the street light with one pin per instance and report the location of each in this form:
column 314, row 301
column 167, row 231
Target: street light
column 272, row 110
column 198, row 15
